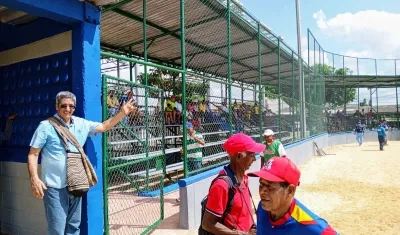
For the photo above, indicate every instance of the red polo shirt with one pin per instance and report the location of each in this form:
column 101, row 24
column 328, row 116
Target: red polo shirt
column 239, row 217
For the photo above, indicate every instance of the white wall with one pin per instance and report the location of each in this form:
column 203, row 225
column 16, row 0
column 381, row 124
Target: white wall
column 21, row 213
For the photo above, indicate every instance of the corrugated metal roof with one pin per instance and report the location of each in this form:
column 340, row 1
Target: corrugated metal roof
column 10, row 16
column 205, row 34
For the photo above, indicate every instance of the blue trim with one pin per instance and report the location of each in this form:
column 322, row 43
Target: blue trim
column 156, row 193
column 86, row 85
column 213, row 172
column 64, row 11
column 35, row 31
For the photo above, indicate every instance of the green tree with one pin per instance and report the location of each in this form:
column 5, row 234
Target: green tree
column 338, row 96
column 164, row 79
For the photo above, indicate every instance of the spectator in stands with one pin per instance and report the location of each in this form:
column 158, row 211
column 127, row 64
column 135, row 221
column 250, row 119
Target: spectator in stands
column 255, row 112
column 135, row 113
column 359, row 132
column 278, row 211
column 63, row 211
column 195, row 143
column 381, row 135
column 112, row 103
column 170, row 111
column 178, row 110
column 241, row 150
column 5, row 136
column 273, row 148
column 202, row 110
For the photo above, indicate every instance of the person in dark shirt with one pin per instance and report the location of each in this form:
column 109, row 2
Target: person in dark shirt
column 359, row 132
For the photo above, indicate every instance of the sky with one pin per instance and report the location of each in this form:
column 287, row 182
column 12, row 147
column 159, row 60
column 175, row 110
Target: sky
column 359, row 28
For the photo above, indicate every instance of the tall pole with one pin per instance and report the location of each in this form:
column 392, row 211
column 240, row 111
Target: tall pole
column 301, row 75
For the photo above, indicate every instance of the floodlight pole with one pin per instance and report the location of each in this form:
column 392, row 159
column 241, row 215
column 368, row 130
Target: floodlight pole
column 301, row 75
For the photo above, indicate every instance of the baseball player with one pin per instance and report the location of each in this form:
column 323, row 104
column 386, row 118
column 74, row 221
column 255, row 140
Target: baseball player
column 274, row 148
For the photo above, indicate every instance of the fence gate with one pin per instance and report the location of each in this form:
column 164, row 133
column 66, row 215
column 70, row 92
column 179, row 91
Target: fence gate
column 133, row 159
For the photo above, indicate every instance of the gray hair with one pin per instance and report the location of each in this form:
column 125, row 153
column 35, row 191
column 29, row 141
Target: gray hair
column 65, row 95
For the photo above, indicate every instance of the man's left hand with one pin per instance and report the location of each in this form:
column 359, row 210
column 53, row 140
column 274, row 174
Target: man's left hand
column 128, row 106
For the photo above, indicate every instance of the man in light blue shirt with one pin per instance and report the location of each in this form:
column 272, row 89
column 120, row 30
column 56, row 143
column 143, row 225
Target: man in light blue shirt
column 63, row 211
column 381, row 135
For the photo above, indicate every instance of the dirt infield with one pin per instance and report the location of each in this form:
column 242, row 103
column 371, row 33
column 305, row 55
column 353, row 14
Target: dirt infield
column 356, row 190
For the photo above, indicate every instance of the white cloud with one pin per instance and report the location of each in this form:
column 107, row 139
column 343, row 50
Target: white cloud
column 374, row 31
column 366, row 34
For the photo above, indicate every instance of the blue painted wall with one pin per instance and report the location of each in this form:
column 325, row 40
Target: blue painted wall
column 25, row 34
column 36, row 82
column 29, row 88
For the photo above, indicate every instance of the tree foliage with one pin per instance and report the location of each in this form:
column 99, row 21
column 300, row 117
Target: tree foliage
column 334, row 96
column 164, row 79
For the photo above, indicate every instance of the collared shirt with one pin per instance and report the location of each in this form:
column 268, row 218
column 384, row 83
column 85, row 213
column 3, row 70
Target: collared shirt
column 239, row 217
column 299, row 220
column 54, row 155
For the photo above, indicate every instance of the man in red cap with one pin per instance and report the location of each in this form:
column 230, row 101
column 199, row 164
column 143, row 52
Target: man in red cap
column 278, row 211
column 238, row 219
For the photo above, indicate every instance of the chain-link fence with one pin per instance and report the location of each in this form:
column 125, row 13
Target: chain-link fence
column 356, row 89
column 134, row 156
column 213, row 65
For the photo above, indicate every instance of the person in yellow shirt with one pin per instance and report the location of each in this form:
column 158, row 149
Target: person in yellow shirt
column 202, row 110
column 170, row 111
column 112, row 103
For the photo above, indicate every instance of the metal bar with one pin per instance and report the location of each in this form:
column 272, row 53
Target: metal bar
column 358, row 89
column 397, row 97
column 105, row 156
column 115, row 6
column 294, row 107
column 345, row 92
column 205, row 48
column 260, row 90
column 131, row 83
column 301, row 80
column 376, row 94
column 216, row 80
column 279, row 89
column 263, row 67
column 183, row 74
column 146, row 82
column 229, row 77
column 140, row 62
column 175, row 31
column 130, row 66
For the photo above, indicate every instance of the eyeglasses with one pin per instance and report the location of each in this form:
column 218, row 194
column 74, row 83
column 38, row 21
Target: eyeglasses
column 64, row 106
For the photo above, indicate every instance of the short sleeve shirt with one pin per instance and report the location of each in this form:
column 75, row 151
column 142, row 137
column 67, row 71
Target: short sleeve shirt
column 239, row 217
column 195, row 150
column 54, row 155
column 299, row 220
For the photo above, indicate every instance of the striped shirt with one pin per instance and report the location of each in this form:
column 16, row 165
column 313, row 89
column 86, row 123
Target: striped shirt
column 194, row 149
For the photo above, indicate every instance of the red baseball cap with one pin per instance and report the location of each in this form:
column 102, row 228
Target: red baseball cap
column 240, row 143
column 279, row 169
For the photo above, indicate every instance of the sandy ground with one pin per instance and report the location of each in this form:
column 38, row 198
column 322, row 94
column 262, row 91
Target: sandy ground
column 355, row 189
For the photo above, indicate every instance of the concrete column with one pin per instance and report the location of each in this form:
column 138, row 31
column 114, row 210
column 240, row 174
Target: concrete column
column 86, row 85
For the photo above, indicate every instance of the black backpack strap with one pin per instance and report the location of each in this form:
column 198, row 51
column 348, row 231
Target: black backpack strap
column 231, row 194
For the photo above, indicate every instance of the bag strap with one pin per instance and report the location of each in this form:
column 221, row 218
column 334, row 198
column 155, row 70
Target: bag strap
column 65, row 134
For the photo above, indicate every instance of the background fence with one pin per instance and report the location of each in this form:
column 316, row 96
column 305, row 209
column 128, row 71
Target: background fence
column 356, row 89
